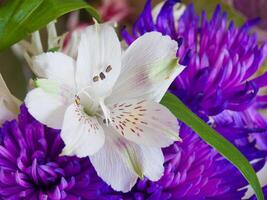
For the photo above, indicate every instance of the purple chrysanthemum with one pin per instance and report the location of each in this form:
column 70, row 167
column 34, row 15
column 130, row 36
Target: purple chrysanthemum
column 30, row 164
column 221, row 65
column 31, row 167
column 219, row 82
column 193, row 171
column 223, row 59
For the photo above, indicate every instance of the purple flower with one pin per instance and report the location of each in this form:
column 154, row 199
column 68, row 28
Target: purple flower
column 221, row 60
column 219, row 82
column 221, row 65
column 31, row 166
column 193, row 171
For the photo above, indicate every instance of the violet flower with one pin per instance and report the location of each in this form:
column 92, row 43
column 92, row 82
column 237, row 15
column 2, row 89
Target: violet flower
column 222, row 62
column 31, row 166
column 193, row 170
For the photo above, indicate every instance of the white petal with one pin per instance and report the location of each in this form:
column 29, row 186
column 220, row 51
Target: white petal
column 9, row 105
column 5, row 113
column 120, row 161
column 55, row 66
column 149, row 66
column 111, row 163
column 73, row 41
column 144, row 122
column 82, row 134
column 153, row 161
column 99, row 59
column 48, row 108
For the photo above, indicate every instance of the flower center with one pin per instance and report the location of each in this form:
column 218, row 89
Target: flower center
column 93, row 107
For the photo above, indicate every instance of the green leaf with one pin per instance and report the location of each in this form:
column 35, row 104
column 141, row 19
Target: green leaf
column 214, row 139
column 210, row 5
column 19, row 18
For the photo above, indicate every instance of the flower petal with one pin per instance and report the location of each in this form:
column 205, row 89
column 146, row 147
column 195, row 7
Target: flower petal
column 153, row 161
column 149, row 66
column 9, row 105
column 120, row 161
column 5, row 113
column 82, row 134
column 48, row 108
column 55, row 66
column 110, row 165
column 99, row 59
column 116, row 163
column 144, row 122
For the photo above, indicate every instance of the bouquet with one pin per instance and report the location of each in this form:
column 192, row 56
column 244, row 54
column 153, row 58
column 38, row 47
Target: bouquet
column 168, row 107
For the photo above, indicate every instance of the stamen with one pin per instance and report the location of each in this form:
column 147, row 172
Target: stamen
column 106, row 112
column 106, row 121
column 77, row 100
column 108, row 69
column 102, row 76
column 96, row 78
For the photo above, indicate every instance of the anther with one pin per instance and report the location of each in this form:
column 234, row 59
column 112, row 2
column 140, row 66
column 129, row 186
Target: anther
column 102, row 75
column 108, row 69
column 106, row 121
column 77, row 100
column 96, row 78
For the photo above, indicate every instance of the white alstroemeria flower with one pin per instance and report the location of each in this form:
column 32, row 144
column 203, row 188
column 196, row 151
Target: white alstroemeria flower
column 106, row 103
column 9, row 105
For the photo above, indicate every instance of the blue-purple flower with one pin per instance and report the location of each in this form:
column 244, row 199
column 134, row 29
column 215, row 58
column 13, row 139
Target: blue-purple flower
column 223, row 58
column 31, row 166
column 220, row 83
column 222, row 61
column 193, row 171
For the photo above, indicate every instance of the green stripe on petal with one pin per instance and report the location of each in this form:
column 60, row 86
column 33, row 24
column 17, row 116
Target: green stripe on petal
column 163, row 69
column 51, row 87
column 132, row 160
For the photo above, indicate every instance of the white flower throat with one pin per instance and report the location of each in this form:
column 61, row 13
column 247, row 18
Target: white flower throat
column 92, row 105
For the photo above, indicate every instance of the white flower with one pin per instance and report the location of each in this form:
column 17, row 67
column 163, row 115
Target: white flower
column 9, row 105
column 106, row 103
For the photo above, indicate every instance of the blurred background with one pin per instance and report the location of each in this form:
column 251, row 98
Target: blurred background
column 14, row 69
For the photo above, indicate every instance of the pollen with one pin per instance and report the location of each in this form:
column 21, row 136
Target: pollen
column 108, row 69
column 102, row 76
column 77, row 100
column 96, row 78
